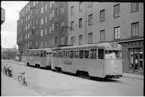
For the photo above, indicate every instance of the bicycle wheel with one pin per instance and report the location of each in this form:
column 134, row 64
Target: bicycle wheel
column 20, row 79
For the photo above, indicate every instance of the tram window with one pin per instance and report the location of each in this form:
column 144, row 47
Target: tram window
column 76, row 54
column 63, row 54
column 100, row 53
column 44, row 53
column 109, row 54
column 41, row 54
column 54, row 54
column 71, row 54
column 67, row 53
column 86, row 53
column 93, row 54
column 60, row 54
column 81, row 54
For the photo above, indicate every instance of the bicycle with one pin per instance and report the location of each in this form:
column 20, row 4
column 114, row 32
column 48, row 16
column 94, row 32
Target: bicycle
column 7, row 71
column 22, row 79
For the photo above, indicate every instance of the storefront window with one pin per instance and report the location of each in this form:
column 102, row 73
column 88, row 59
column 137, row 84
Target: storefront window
column 136, row 60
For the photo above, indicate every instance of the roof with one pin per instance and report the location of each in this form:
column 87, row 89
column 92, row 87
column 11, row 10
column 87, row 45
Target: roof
column 100, row 45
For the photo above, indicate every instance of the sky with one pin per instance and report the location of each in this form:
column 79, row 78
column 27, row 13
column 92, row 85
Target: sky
column 9, row 27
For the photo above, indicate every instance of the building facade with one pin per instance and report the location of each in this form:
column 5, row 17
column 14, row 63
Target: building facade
column 95, row 22
column 40, row 23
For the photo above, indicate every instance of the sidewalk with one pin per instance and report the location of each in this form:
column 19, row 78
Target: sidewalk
column 133, row 76
column 11, row 87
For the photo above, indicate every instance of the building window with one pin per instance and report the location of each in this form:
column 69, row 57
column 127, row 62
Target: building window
column 117, row 32
column 33, row 3
column 62, row 9
column 135, row 29
column 28, row 26
column 56, row 12
column 46, row 7
column 62, row 40
column 72, row 24
column 50, row 4
column 52, row 13
column 102, row 15
column 90, row 19
column 28, row 35
column 36, row 21
column 72, row 40
column 42, row 21
column 50, row 16
column 72, row 10
column 36, row 43
column 45, row 19
column 56, row 26
column 42, row 9
column 28, row 16
column 62, row 24
column 56, row 40
column 80, row 39
column 45, row 43
column 41, row 32
column 90, row 38
column 45, row 31
column 116, row 10
column 49, row 29
column 36, row 11
column 80, row 22
column 102, row 35
column 41, row 44
column 80, row 6
column 90, row 4
column 134, row 7
column 52, row 27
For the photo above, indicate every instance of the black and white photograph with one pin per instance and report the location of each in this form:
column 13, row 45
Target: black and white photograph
column 72, row 48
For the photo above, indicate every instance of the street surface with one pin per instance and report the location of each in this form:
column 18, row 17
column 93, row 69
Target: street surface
column 47, row 82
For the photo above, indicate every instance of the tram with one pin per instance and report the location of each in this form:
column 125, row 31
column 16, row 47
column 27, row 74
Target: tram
column 102, row 60
column 38, row 57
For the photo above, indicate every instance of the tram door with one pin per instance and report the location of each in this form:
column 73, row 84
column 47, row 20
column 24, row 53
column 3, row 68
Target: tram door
column 48, row 60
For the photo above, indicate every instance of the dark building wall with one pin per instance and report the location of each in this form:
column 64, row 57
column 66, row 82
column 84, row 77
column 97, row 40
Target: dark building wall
column 35, row 29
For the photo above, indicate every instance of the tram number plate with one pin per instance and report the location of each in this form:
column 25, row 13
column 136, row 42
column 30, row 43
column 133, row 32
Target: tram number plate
column 68, row 62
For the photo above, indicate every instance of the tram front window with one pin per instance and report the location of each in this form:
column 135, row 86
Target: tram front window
column 113, row 54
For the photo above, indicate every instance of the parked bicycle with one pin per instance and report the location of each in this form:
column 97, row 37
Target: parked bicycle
column 22, row 79
column 7, row 71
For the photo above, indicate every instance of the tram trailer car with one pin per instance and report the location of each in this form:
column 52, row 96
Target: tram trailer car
column 38, row 57
column 102, row 60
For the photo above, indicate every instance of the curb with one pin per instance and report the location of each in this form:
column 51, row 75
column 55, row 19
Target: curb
column 133, row 76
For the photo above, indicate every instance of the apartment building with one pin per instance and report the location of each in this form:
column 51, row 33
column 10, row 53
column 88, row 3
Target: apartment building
column 95, row 22
column 40, row 23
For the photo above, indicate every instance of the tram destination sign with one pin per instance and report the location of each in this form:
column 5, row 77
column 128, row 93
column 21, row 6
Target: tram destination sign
column 67, row 62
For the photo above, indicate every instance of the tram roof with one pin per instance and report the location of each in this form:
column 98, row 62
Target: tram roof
column 49, row 49
column 107, row 46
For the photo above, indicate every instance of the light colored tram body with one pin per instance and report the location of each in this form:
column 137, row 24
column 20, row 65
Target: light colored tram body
column 93, row 64
column 38, row 57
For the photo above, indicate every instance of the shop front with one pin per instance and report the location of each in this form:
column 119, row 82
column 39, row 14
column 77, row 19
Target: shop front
column 133, row 56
